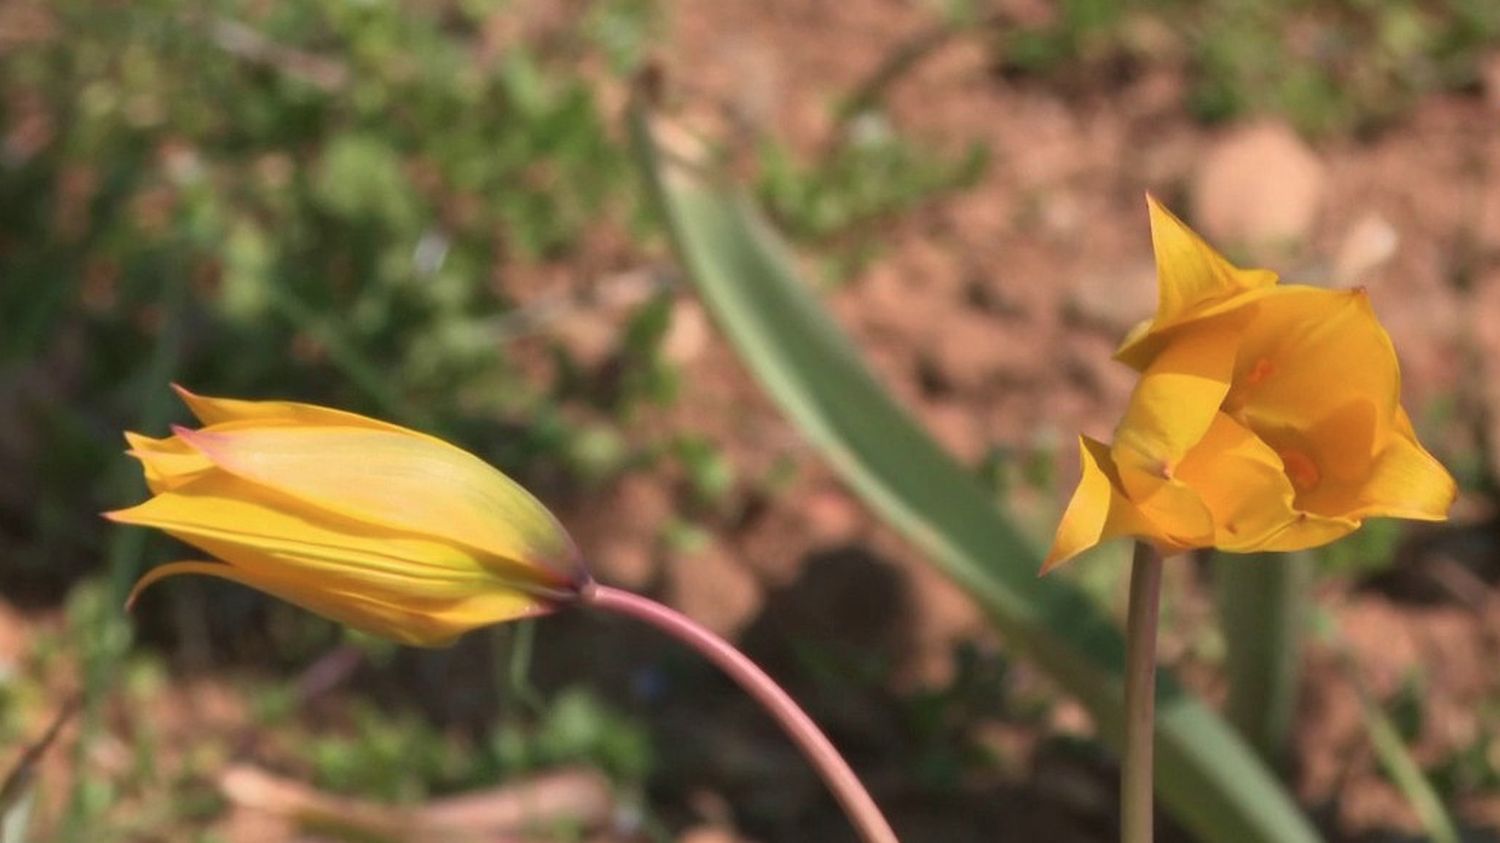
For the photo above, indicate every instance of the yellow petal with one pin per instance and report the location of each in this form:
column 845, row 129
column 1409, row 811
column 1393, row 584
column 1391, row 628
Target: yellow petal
column 1174, row 404
column 1245, row 486
column 167, row 463
column 218, row 411
column 1098, row 510
column 1193, row 282
column 259, row 529
column 1310, row 355
column 1309, row 530
column 1407, row 481
column 1189, row 272
column 404, row 482
column 419, row 622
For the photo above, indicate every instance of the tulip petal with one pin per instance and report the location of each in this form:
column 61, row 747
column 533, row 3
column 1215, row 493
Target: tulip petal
column 1175, row 403
column 218, row 411
column 423, row 623
column 1098, row 511
column 1244, row 484
column 1189, row 272
column 1193, row 282
column 1407, row 482
column 257, row 528
column 1310, row 355
column 167, row 463
column 404, row 482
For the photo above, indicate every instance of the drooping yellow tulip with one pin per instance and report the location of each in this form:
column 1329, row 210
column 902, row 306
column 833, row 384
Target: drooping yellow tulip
column 382, row 528
column 1266, row 418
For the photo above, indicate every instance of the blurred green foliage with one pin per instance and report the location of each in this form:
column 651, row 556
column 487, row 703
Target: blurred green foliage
column 327, row 189
column 1329, row 65
column 871, row 174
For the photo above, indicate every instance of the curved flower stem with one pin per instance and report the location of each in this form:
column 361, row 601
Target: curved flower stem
column 856, row 801
column 1140, row 695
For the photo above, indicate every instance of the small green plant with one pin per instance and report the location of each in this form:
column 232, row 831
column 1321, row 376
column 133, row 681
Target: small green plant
column 1333, row 65
column 869, row 175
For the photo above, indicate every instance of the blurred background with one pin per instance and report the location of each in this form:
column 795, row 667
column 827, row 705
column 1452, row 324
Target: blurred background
column 429, row 212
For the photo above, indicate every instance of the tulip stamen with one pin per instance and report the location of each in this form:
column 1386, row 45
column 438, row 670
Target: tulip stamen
column 1262, row 369
column 1300, row 469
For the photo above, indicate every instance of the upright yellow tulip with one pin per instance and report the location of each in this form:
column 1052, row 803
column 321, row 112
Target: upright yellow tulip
column 1267, row 418
column 373, row 525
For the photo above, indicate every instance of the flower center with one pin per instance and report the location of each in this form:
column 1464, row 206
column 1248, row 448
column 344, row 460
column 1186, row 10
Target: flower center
column 1300, row 469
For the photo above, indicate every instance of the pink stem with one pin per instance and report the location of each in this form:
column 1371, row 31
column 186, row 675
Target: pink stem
column 856, row 801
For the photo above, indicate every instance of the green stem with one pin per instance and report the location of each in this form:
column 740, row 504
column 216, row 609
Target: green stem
column 820, row 752
column 1140, row 695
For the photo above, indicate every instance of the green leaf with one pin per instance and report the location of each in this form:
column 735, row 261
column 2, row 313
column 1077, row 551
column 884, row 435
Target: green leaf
column 1262, row 599
column 1390, row 748
column 1207, row 776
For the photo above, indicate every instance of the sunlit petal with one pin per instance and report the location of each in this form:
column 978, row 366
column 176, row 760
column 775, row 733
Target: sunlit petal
column 1193, row 282
column 219, row 513
column 385, row 529
column 1407, row 481
column 418, row 622
column 167, row 463
column 1098, row 511
column 1175, row 402
column 398, row 481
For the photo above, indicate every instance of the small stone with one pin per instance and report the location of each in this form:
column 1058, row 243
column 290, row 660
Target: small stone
column 1259, row 186
column 624, row 562
column 688, row 334
column 713, row 588
column 832, row 516
column 589, row 337
column 1369, row 245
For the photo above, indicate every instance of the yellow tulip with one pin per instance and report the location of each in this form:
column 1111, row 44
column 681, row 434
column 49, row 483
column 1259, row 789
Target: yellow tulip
column 382, row 528
column 1266, row 418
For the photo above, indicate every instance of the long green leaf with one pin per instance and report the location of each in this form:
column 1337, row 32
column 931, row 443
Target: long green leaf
column 1261, row 599
column 1207, row 777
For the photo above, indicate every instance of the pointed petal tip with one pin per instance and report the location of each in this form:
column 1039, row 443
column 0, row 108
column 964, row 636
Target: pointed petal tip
column 197, row 438
column 1052, row 563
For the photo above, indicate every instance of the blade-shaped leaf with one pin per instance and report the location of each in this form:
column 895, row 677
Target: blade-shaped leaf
column 1261, row 600
column 1208, row 778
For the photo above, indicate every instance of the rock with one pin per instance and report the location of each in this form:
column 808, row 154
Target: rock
column 1259, row 186
column 625, row 562
column 688, row 334
column 832, row 516
column 1369, row 245
column 589, row 336
column 714, row 589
